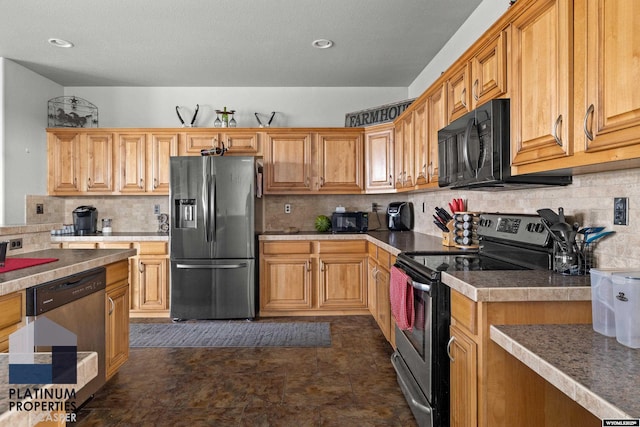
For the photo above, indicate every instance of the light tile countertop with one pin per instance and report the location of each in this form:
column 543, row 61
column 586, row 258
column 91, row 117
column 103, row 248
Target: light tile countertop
column 596, row 371
column 87, row 370
column 70, row 261
column 112, row 237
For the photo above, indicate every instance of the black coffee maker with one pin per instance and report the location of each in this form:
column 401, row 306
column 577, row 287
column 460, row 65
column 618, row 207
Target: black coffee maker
column 85, row 220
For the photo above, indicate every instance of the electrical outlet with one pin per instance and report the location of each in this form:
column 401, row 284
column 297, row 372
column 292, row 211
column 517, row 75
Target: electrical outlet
column 156, row 209
column 15, row 244
column 621, row 211
column 39, row 209
column 287, row 208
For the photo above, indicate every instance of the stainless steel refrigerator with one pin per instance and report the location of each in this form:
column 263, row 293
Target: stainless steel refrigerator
column 212, row 237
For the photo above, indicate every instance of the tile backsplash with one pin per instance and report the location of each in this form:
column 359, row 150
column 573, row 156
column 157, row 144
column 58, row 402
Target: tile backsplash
column 588, row 201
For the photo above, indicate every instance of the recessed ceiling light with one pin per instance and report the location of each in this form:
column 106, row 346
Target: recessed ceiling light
column 60, row 43
column 322, row 43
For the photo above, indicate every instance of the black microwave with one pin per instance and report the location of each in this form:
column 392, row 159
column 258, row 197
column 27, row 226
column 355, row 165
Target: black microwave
column 474, row 152
column 349, row 222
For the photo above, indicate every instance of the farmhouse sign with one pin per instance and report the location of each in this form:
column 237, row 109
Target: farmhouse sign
column 381, row 114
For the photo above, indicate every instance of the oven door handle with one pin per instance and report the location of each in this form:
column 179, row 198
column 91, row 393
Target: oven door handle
column 421, row 286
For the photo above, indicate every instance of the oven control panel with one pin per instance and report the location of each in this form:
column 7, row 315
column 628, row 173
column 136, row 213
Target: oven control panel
column 521, row 228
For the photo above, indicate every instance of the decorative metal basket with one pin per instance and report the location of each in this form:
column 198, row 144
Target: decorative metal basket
column 72, row 112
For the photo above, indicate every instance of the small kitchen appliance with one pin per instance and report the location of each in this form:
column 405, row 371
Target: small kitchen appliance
column 349, row 222
column 106, row 225
column 85, row 220
column 400, row 216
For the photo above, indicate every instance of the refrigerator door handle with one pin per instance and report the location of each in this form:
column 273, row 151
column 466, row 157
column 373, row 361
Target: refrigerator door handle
column 205, row 206
column 212, row 208
column 212, row 266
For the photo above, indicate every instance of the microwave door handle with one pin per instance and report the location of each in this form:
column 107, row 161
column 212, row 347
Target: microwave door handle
column 466, row 149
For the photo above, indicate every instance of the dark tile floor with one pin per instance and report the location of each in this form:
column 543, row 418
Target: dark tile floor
column 351, row 383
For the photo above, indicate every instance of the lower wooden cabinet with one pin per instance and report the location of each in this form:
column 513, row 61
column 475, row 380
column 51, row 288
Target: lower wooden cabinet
column 489, row 387
column 464, row 382
column 12, row 317
column 117, row 317
column 148, row 275
column 320, row 277
column 380, row 262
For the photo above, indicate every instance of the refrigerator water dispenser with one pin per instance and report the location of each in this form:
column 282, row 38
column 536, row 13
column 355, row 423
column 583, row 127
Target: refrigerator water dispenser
column 185, row 213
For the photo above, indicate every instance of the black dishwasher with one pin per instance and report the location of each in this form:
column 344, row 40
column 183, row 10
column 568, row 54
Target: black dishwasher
column 76, row 303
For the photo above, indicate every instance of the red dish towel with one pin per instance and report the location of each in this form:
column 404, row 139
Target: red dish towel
column 11, row 264
column 401, row 295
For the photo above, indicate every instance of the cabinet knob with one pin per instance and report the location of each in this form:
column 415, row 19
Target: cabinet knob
column 475, row 90
column 88, row 182
column 463, row 95
column 155, row 183
column 141, row 267
column 141, row 183
column 113, row 306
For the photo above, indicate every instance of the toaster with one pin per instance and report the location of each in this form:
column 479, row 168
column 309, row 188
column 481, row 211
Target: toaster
column 400, row 216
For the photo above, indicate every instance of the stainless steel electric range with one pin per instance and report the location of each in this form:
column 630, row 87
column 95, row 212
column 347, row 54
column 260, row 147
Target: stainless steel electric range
column 421, row 360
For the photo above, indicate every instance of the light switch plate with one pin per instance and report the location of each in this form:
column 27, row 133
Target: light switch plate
column 621, row 211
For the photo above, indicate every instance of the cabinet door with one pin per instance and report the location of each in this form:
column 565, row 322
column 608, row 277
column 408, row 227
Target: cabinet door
column 342, row 281
column 160, row 148
column 463, row 371
column 132, row 161
column 489, row 71
column 194, row 142
column 286, row 282
column 407, row 152
column 398, row 159
column 371, row 286
column 243, row 143
column 98, row 158
column 378, row 165
column 12, row 316
column 63, row 162
column 287, row 165
column 340, row 158
column 458, row 94
column 117, row 328
column 436, row 120
column 383, row 302
column 420, row 144
column 153, row 292
column 612, row 109
column 541, row 52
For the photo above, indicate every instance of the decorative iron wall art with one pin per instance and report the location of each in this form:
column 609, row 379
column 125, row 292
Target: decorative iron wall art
column 72, row 112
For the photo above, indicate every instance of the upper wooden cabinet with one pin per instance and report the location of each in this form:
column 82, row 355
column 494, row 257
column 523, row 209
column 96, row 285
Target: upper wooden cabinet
column 404, row 155
column 458, row 93
column 604, row 94
column 611, row 111
column 541, row 96
column 489, row 70
column 103, row 162
column 379, row 158
column 301, row 162
column 235, row 141
column 80, row 162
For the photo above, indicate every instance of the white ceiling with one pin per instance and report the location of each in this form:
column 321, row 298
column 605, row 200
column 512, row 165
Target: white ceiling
column 379, row 43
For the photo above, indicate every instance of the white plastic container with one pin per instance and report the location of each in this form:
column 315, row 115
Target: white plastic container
column 602, row 311
column 626, row 303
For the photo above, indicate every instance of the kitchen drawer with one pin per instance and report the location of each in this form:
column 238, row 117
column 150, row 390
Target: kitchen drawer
column 286, row 247
column 116, row 245
column 152, row 248
column 10, row 309
column 80, row 245
column 384, row 259
column 117, row 272
column 464, row 312
column 373, row 250
column 343, row 247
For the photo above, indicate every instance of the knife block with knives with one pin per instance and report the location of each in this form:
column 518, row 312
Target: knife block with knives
column 448, row 238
